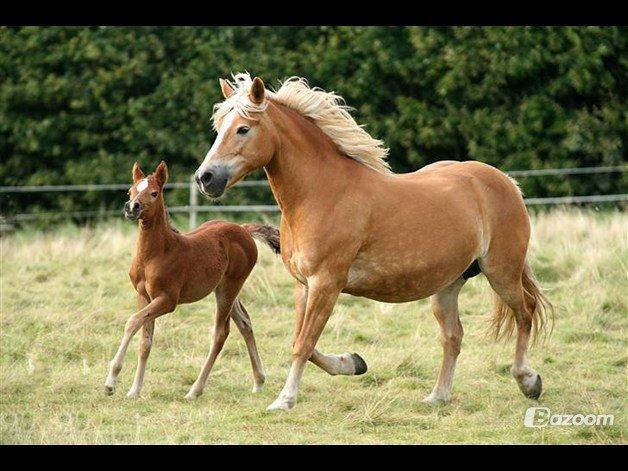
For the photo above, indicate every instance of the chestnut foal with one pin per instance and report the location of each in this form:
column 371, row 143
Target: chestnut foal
column 171, row 268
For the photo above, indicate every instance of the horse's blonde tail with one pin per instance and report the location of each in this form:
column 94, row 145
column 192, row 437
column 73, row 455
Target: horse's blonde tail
column 266, row 233
column 538, row 306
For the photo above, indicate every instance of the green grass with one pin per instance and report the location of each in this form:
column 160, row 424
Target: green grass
column 65, row 296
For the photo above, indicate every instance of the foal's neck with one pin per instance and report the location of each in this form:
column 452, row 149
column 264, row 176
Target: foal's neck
column 155, row 232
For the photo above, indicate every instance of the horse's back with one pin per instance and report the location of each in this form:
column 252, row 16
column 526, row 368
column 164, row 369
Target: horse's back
column 492, row 188
column 505, row 220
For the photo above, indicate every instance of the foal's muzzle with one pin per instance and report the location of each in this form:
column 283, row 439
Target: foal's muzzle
column 132, row 210
column 212, row 180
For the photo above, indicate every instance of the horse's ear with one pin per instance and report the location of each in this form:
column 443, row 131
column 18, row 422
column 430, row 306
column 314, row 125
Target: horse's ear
column 137, row 173
column 161, row 174
column 227, row 89
column 257, row 92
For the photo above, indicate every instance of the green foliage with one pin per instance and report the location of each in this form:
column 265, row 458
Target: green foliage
column 80, row 105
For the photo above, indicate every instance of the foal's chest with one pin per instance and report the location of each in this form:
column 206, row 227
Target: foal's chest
column 139, row 278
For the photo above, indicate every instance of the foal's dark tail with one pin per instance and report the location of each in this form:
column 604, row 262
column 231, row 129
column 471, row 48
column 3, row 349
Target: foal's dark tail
column 266, row 233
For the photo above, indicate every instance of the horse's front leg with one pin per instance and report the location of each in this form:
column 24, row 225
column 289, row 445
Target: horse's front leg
column 157, row 307
column 343, row 364
column 323, row 291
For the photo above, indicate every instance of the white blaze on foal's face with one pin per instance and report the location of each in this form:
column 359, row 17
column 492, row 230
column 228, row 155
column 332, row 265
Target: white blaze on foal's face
column 142, row 185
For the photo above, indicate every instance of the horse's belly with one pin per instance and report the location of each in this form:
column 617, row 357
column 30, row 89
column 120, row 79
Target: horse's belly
column 398, row 279
column 390, row 288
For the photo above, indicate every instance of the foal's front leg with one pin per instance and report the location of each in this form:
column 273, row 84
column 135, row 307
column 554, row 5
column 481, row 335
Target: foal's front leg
column 322, row 295
column 157, row 307
column 145, row 344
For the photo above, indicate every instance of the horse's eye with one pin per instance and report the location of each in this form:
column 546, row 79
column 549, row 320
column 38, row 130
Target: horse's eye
column 154, row 194
column 242, row 130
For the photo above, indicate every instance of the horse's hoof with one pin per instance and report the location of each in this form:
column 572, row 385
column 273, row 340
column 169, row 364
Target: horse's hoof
column 281, row 404
column 360, row 364
column 109, row 390
column 435, row 399
column 192, row 395
column 535, row 391
column 133, row 394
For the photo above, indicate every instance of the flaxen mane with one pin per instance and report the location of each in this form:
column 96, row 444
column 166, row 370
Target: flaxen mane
column 326, row 109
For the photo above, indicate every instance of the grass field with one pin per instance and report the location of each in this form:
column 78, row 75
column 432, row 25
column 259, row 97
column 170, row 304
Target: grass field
column 65, row 296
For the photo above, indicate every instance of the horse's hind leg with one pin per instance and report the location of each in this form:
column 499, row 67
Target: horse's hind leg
column 243, row 322
column 507, row 283
column 445, row 307
column 343, row 364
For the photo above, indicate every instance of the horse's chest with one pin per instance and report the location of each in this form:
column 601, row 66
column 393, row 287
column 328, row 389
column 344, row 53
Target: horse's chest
column 297, row 266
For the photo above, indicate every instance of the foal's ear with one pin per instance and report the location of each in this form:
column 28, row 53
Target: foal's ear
column 161, row 174
column 227, row 89
column 257, row 92
column 137, row 173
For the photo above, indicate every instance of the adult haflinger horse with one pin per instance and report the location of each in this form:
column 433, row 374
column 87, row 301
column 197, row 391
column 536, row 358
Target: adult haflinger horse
column 350, row 225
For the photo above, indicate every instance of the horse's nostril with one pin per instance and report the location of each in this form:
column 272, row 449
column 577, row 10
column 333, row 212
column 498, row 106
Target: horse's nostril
column 206, row 177
column 136, row 206
column 126, row 206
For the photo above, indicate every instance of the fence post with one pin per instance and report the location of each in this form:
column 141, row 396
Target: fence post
column 193, row 203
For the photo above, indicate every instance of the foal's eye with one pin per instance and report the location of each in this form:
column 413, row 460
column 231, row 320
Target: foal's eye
column 242, row 130
column 154, row 194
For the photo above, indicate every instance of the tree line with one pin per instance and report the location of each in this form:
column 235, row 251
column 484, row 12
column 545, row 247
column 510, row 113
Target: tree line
column 81, row 104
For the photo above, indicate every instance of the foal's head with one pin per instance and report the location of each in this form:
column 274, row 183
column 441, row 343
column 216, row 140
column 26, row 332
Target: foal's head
column 145, row 193
column 247, row 138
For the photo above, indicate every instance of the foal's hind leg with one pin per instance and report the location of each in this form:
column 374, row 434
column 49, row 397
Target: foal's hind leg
column 445, row 307
column 243, row 322
column 225, row 296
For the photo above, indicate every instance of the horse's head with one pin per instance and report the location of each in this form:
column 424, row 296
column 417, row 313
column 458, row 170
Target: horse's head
column 246, row 139
column 145, row 192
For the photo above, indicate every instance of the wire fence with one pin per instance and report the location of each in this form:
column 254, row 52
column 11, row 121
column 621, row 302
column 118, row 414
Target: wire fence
column 193, row 208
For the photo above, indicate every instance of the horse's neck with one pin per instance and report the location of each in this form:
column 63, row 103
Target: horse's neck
column 155, row 234
column 306, row 164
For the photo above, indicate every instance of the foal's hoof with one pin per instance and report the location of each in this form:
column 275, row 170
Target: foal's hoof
column 109, row 390
column 359, row 363
column 133, row 394
column 532, row 390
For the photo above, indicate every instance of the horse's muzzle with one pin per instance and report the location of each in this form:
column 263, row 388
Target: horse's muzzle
column 212, row 181
column 132, row 210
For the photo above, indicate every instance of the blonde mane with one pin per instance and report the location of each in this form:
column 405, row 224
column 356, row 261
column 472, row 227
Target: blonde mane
column 326, row 109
